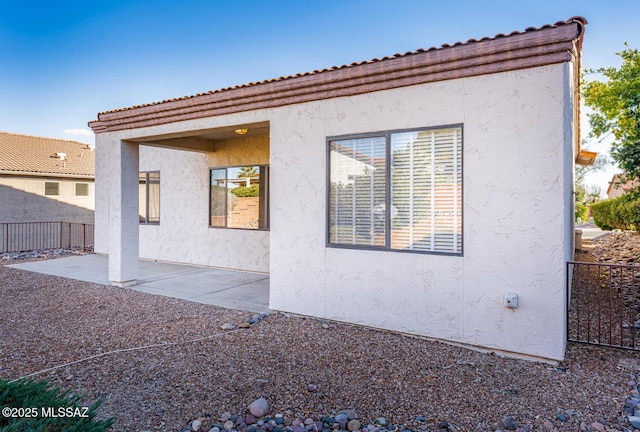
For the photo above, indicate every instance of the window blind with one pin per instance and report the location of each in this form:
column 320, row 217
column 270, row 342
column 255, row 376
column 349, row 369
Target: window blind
column 426, row 190
column 357, row 192
column 398, row 191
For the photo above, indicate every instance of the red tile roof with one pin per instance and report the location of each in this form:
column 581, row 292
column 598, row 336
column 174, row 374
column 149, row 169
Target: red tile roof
column 535, row 46
column 618, row 186
column 33, row 155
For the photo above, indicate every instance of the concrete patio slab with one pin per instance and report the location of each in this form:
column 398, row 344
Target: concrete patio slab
column 225, row 288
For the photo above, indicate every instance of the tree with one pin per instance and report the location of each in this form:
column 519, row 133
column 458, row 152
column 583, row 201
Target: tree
column 616, row 109
column 593, row 193
column 247, row 171
column 582, row 170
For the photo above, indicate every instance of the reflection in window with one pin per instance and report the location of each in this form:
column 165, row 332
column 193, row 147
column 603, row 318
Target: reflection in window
column 149, row 197
column 238, row 197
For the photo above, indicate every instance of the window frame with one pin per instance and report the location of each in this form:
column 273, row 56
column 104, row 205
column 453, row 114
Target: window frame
column 146, row 184
column 267, row 199
column 75, row 189
column 57, row 183
column 388, row 189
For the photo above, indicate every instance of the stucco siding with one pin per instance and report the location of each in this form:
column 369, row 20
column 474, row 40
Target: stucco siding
column 183, row 234
column 517, row 183
column 24, row 200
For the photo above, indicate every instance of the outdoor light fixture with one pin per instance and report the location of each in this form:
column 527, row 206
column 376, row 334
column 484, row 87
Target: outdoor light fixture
column 242, row 131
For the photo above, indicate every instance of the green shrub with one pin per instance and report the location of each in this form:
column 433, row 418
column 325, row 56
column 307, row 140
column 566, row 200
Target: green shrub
column 581, row 211
column 622, row 213
column 243, row 191
column 35, row 406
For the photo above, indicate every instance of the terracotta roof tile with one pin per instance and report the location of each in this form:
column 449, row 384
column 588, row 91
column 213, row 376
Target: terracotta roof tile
column 571, row 20
column 535, row 46
column 26, row 154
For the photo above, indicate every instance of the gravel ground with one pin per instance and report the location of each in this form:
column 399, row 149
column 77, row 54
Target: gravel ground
column 195, row 369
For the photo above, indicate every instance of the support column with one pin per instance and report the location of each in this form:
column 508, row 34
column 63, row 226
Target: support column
column 123, row 215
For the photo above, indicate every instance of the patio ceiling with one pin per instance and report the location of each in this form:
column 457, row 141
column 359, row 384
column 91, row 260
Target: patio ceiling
column 202, row 140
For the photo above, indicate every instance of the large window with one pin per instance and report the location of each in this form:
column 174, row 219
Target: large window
column 149, row 197
column 397, row 191
column 239, row 197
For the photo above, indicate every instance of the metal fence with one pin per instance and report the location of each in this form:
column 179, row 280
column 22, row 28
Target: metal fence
column 603, row 304
column 27, row 236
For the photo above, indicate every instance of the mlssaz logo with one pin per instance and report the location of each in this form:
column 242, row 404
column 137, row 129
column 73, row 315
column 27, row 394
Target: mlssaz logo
column 53, row 412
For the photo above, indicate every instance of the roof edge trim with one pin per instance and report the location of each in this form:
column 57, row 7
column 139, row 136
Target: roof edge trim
column 551, row 44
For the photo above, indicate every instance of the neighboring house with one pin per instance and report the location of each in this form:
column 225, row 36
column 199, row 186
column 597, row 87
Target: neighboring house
column 617, row 187
column 412, row 193
column 46, row 179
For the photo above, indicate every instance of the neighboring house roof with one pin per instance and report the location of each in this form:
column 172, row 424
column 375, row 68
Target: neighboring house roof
column 617, row 187
column 51, row 157
column 546, row 45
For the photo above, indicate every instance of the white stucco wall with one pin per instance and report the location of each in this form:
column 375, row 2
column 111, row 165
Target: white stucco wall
column 516, row 217
column 517, row 155
column 184, row 235
column 23, row 200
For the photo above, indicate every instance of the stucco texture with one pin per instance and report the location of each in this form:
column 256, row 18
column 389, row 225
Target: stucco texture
column 23, row 200
column 517, row 153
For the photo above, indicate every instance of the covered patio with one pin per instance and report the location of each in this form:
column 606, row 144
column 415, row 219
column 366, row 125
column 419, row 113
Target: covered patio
column 225, row 288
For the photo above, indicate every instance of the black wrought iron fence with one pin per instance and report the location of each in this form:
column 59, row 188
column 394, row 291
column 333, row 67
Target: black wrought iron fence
column 603, row 304
column 27, row 236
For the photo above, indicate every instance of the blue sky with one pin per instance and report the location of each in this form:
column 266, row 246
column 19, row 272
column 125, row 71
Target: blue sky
column 63, row 62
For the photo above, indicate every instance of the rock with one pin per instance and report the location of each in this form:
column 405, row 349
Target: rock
column 325, row 326
column 259, row 407
column 342, row 418
column 228, row 326
column 296, row 422
column 509, row 422
column 635, row 421
column 308, row 421
column 299, row 429
column 228, row 425
column 196, row 425
column 383, row 421
column 244, row 325
column 328, row 420
column 312, row 387
column 214, row 429
column 354, row 425
column 443, row 424
column 352, row 414
column 562, row 417
column 548, row 425
column 598, row 426
column 421, row 419
column 250, row 419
